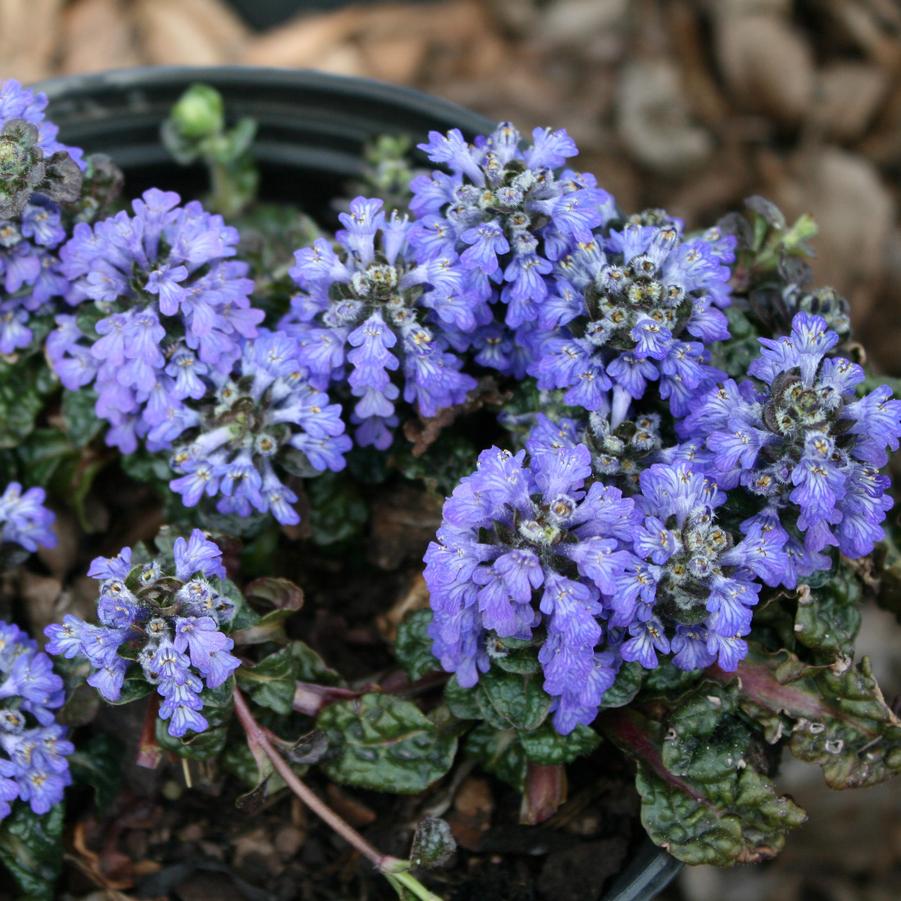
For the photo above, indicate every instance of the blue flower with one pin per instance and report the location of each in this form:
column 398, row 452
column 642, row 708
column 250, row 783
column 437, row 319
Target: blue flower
column 169, row 297
column 261, row 415
column 527, row 546
column 31, row 278
column 620, row 447
column 623, row 311
column 168, row 615
column 33, row 747
column 695, row 592
column 18, row 102
column 798, row 438
column 390, row 316
column 24, row 520
column 510, row 210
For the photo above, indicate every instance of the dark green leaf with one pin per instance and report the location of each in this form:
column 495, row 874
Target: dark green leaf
column 311, row 667
column 337, row 508
column 510, row 657
column 840, row 720
column 413, row 648
column 386, row 744
column 134, row 687
column 143, row 466
column 463, row 703
column 433, row 843
column 23, row 388
column 702, row 799
column 270, row 627
column 828, row 617
column 271, row 682
column 280, row 594
column 218, row 707
column 500, row 752
column 97, row 762
column 508, row 700
column 45, row 451
column 627, row 685
column 31, row 848
column 547, row 747
column 81, row 421
column 442, row 466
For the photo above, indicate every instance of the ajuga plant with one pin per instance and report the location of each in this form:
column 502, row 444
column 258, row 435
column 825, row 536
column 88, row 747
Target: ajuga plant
column 467, row 468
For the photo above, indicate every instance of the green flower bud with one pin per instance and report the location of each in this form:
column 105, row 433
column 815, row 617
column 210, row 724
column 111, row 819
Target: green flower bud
column 199, row 113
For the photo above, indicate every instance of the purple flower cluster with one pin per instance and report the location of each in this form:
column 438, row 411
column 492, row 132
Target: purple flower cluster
column 265, row 411
column 525, row 547
column 798, row 438
column 373, row 307
column 24, row 520
column 620, row 448
column 635, row 306
column 690, row 588
column 542, row 551
column 17, row 102
column 170, row 618
column 33, row 765
column 511, row 211
column 30, row 274
column 168, row 299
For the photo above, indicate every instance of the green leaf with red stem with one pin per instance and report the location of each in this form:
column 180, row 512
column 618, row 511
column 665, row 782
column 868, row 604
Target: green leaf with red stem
column 702, row 799
column 836, row 715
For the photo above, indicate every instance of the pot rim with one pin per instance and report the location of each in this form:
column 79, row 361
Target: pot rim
column 69, row 87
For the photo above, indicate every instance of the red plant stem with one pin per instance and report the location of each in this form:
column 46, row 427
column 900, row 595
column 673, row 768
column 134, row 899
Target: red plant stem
column 149, row 752
column 624, row 729
column 256, row 735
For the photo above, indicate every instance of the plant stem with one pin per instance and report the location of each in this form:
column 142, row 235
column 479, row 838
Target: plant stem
column 395, row 870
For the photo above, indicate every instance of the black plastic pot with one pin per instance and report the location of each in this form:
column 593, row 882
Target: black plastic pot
column 312, row 129
column 263, row 14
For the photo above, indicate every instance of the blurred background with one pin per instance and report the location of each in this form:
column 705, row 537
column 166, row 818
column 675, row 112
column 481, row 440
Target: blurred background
column 690, row 105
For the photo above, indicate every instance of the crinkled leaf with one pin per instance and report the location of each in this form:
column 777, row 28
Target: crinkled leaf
column 272, row 681
column 628, row 683
column 441, row 467
column 97, row 763
column 838, row 718
column 218, row 707
column 270, row 627
column 500, row 752
column 45, row 451
column 134, row 687
column 509, row 700
column 384, row 743
column 311, row 667
column 143, row 466
column 242, row 616
column 22, row 392
column 547, row 747
column 702, row 799
column 735, row 355
column 338, row 510
column 79, row 418
column 413, row 647
column 433, row 843
column 828, row 617
column 462, row 702
column 31, row 848
column 667, row 680
column 280, row 594
column 515, row 656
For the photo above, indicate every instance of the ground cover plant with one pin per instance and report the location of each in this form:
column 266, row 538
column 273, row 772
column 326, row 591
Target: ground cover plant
column 482, row 517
